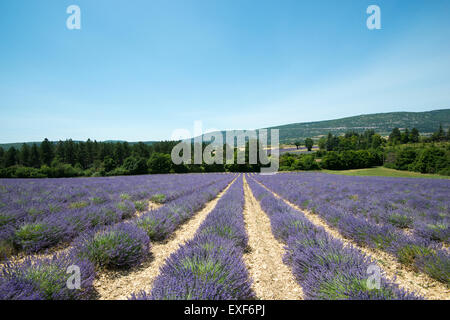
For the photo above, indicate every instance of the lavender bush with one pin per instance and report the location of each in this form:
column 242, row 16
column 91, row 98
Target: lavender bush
column 32, row 237
column 121, row 246
column 46, row 279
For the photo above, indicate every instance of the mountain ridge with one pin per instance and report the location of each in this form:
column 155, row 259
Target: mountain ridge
column 426, row 122
column 383, row 123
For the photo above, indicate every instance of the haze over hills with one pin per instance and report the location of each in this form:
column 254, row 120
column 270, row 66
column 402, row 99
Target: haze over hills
column 383, row 123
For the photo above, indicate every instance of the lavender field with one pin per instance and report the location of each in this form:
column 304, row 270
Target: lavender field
column 407, row 218
column 193, row 236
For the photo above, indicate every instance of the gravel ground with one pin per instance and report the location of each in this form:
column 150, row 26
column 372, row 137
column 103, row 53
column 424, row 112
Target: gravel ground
column 272, row 279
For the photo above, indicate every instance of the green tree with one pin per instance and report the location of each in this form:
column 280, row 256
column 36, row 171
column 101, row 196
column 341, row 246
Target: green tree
column 377, row 141
column 35, row 159
column 322, row 143
column 297, row 144
column 439, row 135
column 329, row 142
column 109, row 164
column 60, row 151
column 431, row 160
column 287, row 160
column 2, row 155
column 349, row 160
column 332, row 142
column 404, row 158
column 332, row 161
column 70, row 152
column 305, row 162
column 309, row 143
column 395, row 136
column 46, row 150
column 82, row 155
column 25, row 154
column 11, row 157
column 135, row 165
column 89, row 152
column 140, row 149
column 118, row 153
column 159, row 163
column 414, row 135
column 96, row 151
column 126, row 150
column 405, row 136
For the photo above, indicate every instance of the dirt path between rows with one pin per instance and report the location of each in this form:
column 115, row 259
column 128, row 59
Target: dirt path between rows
column 272, row 279
column 119, row 285
column 395, row 271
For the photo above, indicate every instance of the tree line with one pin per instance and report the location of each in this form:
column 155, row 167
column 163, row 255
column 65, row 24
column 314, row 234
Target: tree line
column 398, row 137
column 69, row 158
column 91, row 158
column 403, row 150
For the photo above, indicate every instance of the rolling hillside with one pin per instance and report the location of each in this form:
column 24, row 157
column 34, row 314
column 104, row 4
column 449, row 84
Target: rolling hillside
column 383, row 123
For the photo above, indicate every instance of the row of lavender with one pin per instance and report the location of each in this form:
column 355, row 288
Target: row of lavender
column 123, row 245
column 161, row 223
column 43, row 197
column 126, row 244
column 38, row 214
column 322, row 265
column 17, row 191
column 210, row 266
column 363, row 209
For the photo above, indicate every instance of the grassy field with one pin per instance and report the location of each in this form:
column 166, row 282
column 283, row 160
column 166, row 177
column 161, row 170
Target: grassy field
column 385, row 172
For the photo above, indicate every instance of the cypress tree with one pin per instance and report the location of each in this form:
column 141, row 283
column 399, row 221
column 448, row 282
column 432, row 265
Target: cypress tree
column 60, row 151
column 46, row 152
column 82, row 155
column 89, row 152
column 118, row 153
column 69, row 155
column 25, row 154
column 35, row 159
column 11, row 157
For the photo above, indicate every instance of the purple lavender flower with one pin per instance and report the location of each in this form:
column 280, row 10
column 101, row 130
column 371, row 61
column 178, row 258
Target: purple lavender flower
column 322, row 265
column 210, row 266
column 374, row 211
column 121, row 246
column 46, row 279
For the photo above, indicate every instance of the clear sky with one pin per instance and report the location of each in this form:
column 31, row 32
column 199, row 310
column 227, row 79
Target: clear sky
column 139, row 69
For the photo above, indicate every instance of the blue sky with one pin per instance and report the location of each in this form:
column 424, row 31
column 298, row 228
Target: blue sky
column 138, row 70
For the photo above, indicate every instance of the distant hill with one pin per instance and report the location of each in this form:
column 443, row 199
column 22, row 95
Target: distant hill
column 18, row 145
column 382, row 123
